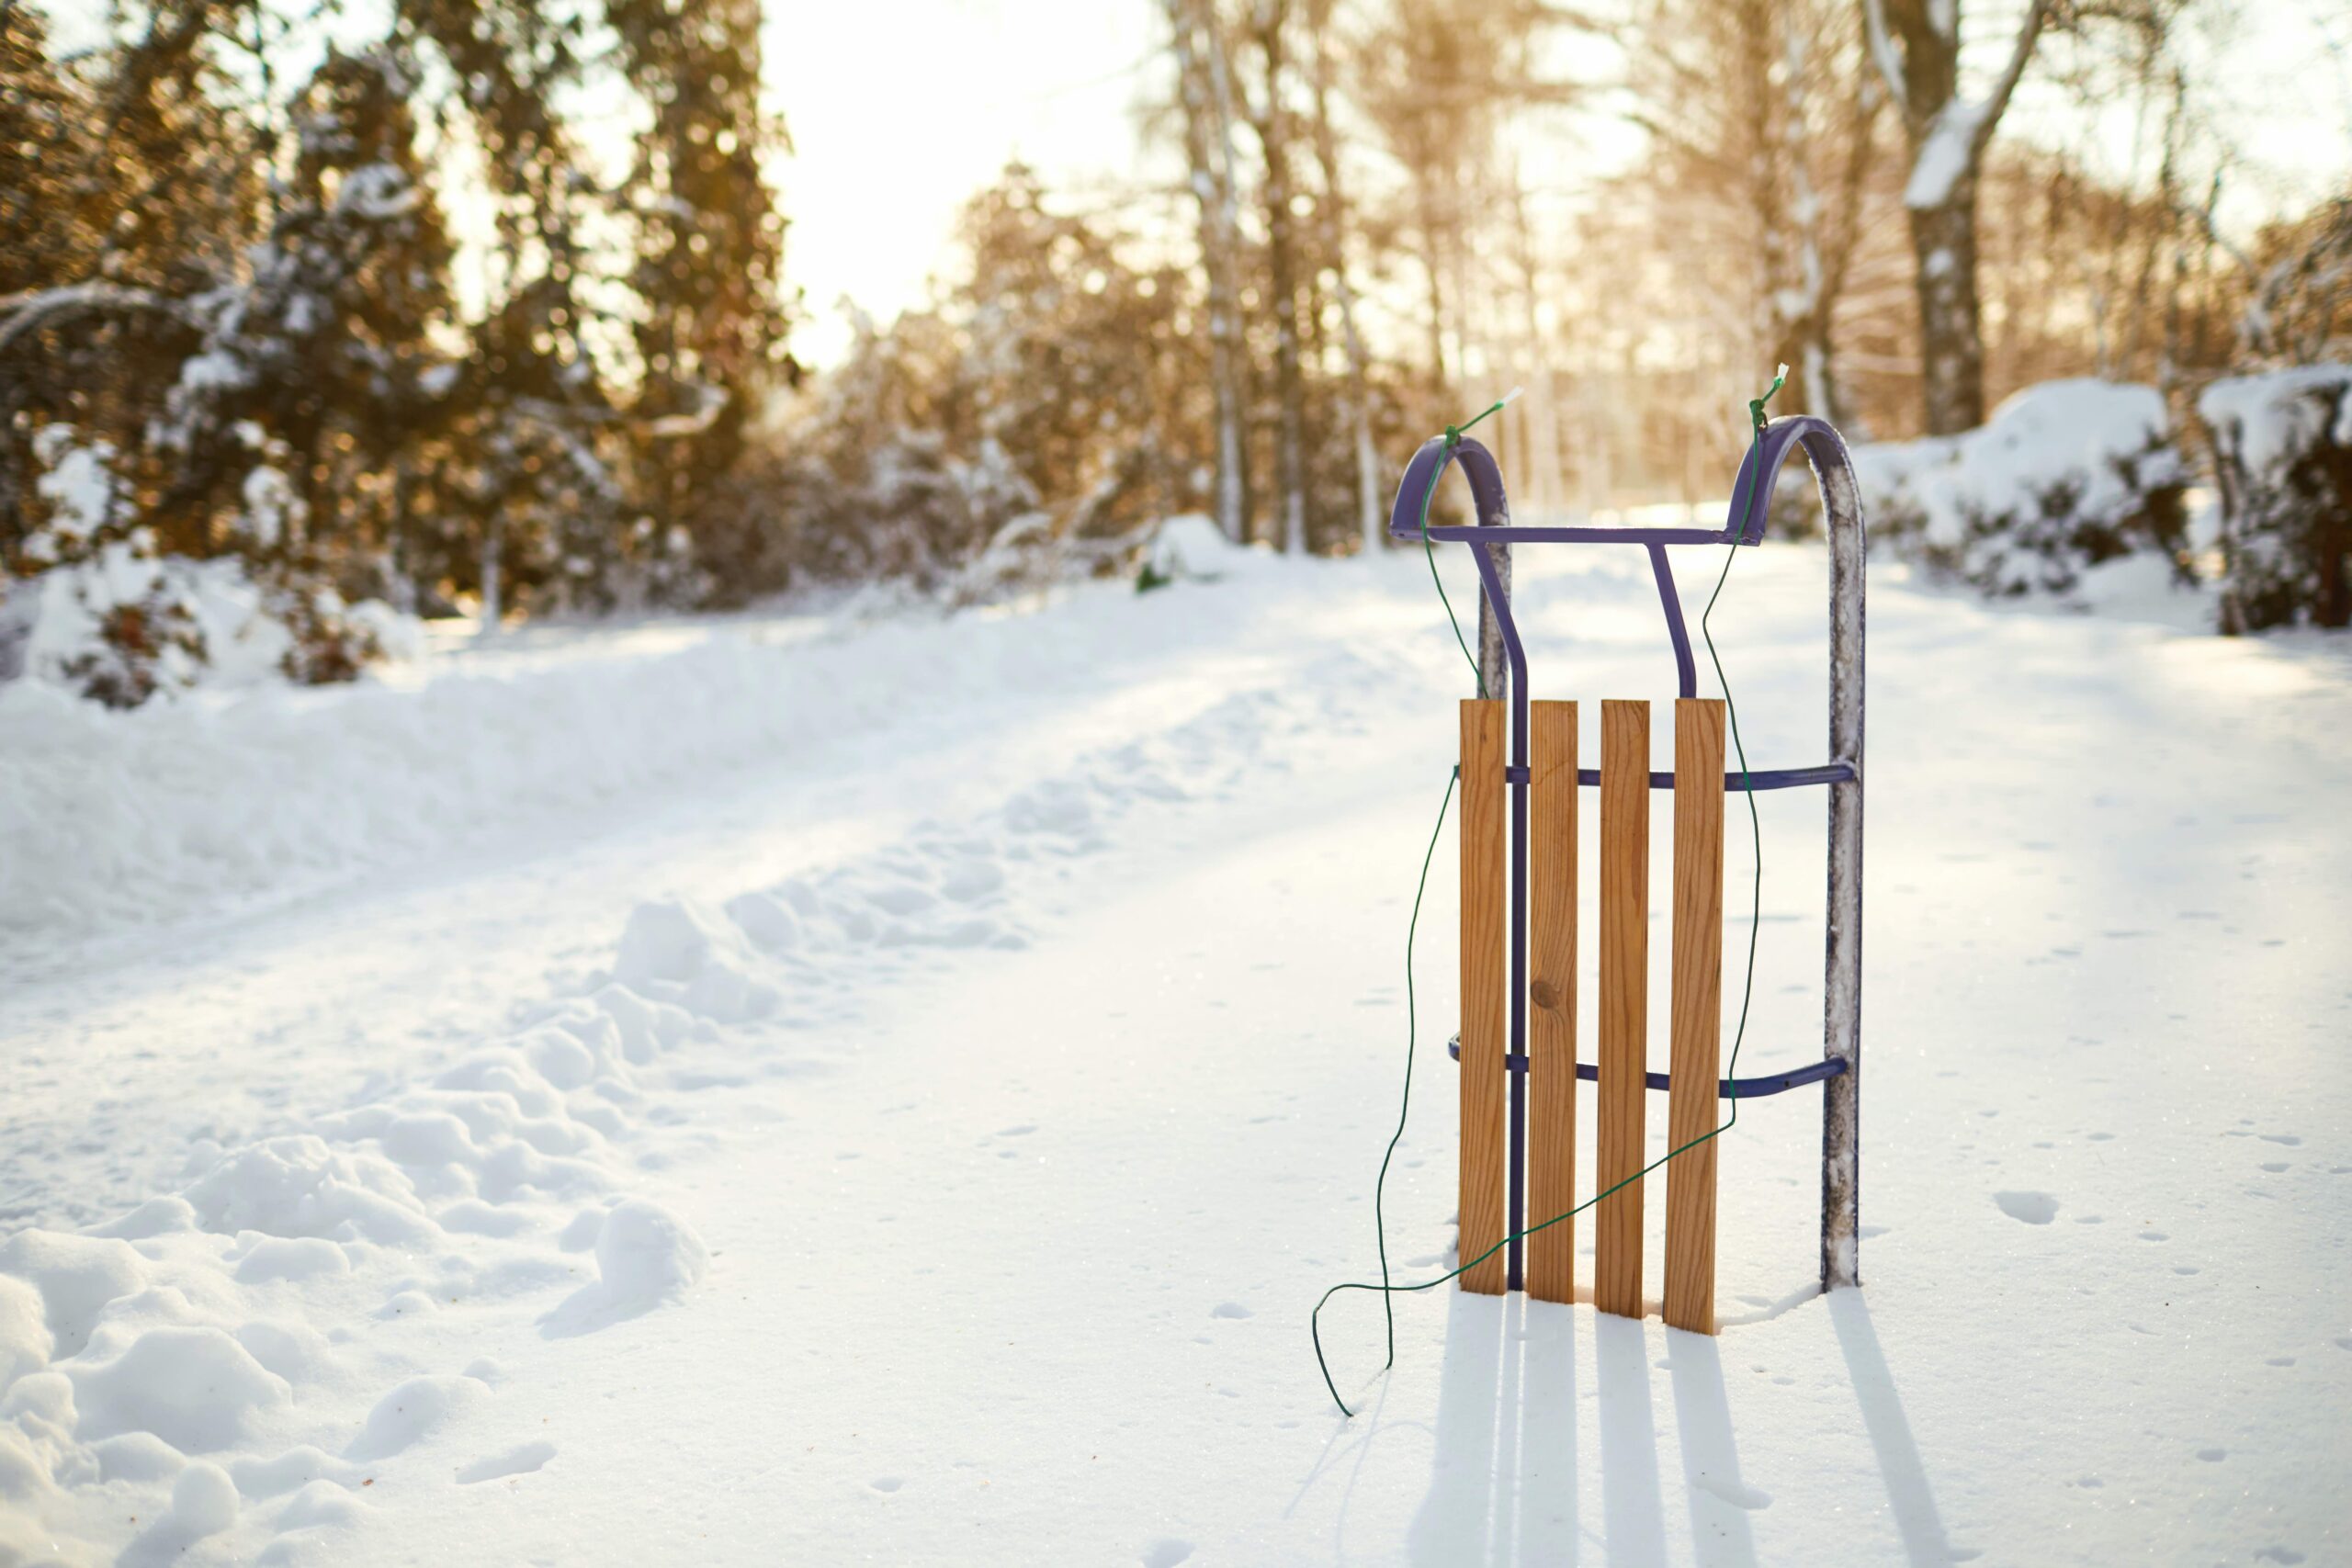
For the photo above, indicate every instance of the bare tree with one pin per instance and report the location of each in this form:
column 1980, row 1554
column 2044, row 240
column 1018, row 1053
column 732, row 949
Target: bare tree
column 1204, row 81
column 1828, row 129
column 1356, row 398
column 1273, row 122
column 1763, row 114
column 1916, row 44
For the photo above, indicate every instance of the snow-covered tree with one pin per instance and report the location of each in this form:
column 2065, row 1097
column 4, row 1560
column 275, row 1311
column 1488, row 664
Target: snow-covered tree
column 1916, row 46
column 2282, row 444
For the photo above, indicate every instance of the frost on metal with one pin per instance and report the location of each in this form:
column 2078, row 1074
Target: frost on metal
column 1842, row 981
column 1494, row 669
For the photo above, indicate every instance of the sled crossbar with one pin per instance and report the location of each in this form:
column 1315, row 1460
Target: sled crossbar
column 1758, row 1088
column 1757, row 779
column 1537, row 533
column 1519, row 961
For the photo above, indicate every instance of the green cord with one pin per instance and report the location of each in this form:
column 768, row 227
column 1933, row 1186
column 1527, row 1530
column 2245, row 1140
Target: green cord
column 1476, row 673
column 1748, row 988
column 1379, row 1221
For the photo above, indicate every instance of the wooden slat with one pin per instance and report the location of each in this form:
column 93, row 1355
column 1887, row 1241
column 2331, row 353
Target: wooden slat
column 1696, row 1024
column 1623, row 1050
column 1551, row 999
column 1481, row 1199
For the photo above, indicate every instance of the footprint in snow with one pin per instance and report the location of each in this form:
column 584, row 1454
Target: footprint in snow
column 888, row 1483
column 2034, row 1208
column 1168, row 1551
column 1231, row 1309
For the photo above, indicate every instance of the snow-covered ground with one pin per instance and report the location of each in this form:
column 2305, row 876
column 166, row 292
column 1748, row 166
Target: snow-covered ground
column 783, row 1090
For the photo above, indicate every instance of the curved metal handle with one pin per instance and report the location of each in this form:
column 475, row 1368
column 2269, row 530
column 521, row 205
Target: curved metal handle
column 1427, row 467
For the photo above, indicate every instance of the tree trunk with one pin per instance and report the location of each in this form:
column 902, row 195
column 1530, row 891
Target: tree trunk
column 1207, row 145
column 1538, row 427
column 493, row 540
column 1818, row 272
column 1917, row 45
column 1426, row 207
column 1951, row 337
column 1274, row 126
column 1357, row 399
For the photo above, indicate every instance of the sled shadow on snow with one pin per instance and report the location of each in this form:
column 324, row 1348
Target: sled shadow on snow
column 1505, row 1469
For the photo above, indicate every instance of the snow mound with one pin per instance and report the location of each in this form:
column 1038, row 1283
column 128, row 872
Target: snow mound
column 2064, row 475
column 676, row 952
column 204, row 1500
column 645, row 1256
column 196, row 1388
column 25, row 1338
column 297, row 1185
column 77, row 1277
column 411, row 1411
column 1191, row 547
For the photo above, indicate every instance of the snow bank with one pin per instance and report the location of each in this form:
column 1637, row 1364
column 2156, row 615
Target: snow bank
column 110, row 817
column 2282, row 448
column 303, row 1314
column 234, row 1318
column 2064, row 475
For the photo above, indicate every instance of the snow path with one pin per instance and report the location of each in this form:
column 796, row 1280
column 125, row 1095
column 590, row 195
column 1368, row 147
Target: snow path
column 325, row 964
column 961, row 1198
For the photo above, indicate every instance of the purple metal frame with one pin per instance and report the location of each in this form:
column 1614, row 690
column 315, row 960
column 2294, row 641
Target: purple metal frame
column 1839, row 1071
column 1759, row 1087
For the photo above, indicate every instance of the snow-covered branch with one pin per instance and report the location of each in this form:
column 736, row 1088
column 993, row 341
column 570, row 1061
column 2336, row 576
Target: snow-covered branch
column 30, row 310
column 1997, row 101
column 1890, row 65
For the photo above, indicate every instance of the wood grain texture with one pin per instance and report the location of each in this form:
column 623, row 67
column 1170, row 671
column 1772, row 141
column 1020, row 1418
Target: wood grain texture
column 1695, row 1013
column 1624, row 1002
column 1483, row 939
column 1551, row 999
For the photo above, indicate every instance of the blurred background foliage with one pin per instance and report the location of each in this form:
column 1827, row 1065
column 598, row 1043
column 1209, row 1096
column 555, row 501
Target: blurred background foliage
column 232, row 327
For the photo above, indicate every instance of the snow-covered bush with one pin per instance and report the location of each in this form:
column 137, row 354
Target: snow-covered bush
column 92, row 602
column 2064, row 475
column 2282, row 453
column 1187, row 547
column 125, row 625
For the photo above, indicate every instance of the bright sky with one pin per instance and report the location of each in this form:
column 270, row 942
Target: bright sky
column 901, row 109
